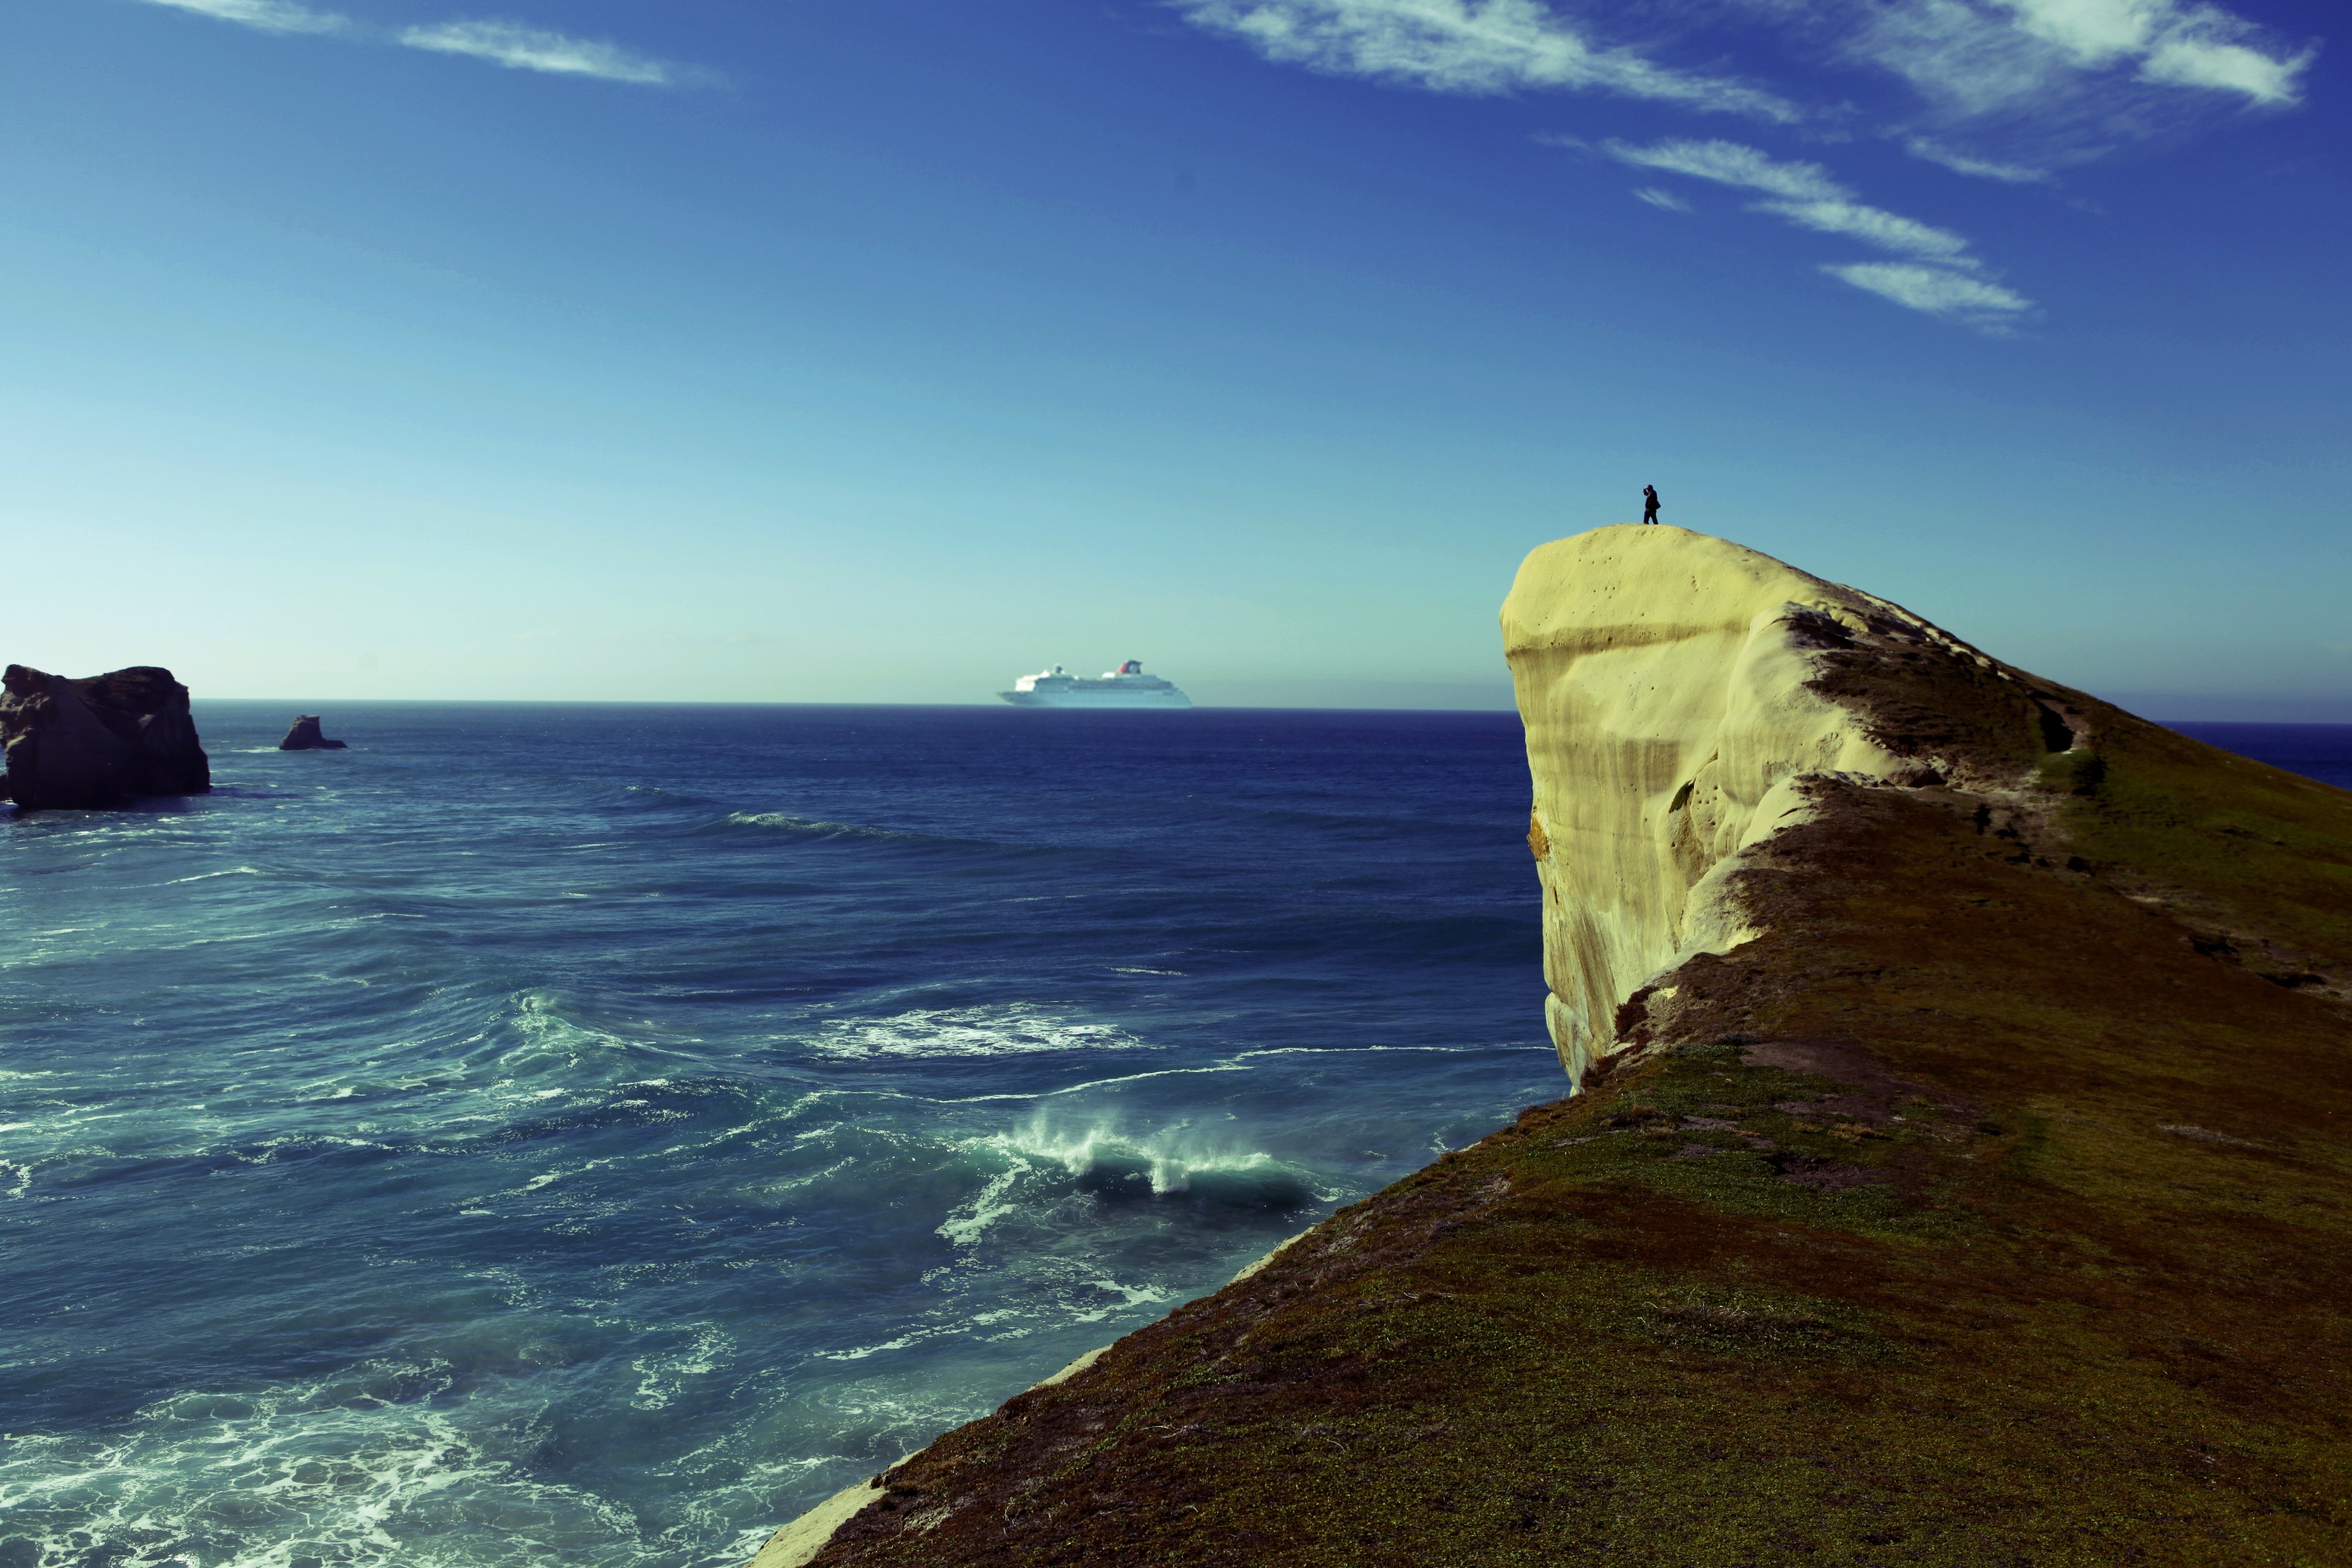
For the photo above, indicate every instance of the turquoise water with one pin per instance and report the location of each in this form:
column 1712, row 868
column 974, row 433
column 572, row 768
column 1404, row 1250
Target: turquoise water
column 589, row 1135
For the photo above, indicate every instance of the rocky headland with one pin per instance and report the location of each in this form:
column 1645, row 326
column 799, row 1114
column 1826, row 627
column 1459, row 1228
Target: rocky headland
column 98, row 741
column 1962, row 1171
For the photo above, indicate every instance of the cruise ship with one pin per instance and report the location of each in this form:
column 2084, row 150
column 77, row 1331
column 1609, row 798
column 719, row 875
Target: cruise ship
column 1126, row 687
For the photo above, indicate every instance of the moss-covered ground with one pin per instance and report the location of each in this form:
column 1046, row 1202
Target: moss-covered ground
column 1995, row 1207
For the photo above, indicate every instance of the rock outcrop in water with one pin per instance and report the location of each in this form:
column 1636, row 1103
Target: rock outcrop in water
column 305, row 736
column 1962, row 1173
column 99, row 741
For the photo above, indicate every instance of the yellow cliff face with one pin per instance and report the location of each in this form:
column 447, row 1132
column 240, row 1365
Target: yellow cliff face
column 1662, row 679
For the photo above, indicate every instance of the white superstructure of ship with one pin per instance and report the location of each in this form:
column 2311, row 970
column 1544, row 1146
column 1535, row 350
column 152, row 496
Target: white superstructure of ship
column 1126, row 687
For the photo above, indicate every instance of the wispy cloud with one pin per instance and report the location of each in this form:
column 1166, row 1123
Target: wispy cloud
column 1802, row 193
column 269, row 15
column 1976, row 168
column 522, row 47
column 2016, row 64
column 1876, row 226
column 2193, row 44
column 1936, row 290
column 1466, row 47
column 511, row 43
column 2225, row 66
column 2014, row 58
column 1940, row 276
column 2017, row 86
column 1734, row 163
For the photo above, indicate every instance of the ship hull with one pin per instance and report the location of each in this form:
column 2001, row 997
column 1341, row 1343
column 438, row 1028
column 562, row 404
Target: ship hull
column 1166, row 698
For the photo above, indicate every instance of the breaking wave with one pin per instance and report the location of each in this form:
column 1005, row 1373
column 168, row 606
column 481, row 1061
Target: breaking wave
column 1034, row 1170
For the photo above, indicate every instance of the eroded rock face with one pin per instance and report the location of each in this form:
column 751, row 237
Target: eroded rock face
column 305, row 736
column 1662, row 679
column 99, row 741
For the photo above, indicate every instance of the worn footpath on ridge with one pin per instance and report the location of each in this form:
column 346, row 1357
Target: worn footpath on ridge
column 1989, row 1204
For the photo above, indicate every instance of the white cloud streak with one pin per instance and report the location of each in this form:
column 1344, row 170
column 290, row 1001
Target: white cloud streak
column 1936, row 290
column 522, row 47
column 509, row 44
column 1480, row 47
column 268, row 15
column 1666, row 201
column 2226, row 66
column 1977, row 168
column 1732, row 164
column 1876, row 226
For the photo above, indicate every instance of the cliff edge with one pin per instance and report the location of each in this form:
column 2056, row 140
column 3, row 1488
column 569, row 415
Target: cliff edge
column 1662, row 679
column 1962, row 1172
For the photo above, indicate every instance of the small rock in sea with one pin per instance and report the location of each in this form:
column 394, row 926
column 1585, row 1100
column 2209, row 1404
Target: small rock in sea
column 305, row 737
column 98, row 741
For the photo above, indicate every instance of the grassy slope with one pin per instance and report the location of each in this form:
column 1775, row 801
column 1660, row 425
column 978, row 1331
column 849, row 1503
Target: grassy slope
column 1986, row 1211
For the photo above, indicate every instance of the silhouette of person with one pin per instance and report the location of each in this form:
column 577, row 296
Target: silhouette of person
column 1649, row 503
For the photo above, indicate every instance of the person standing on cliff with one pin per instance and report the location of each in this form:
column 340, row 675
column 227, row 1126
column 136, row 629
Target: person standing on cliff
column 1649, row 503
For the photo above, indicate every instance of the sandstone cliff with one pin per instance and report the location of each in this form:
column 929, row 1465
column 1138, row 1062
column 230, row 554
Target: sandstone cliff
column 1669, row 684
column 1963, row 1173
column 99, row 741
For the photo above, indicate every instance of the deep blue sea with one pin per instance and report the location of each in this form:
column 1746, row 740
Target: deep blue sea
column 2323, row 751
column 589, row 1135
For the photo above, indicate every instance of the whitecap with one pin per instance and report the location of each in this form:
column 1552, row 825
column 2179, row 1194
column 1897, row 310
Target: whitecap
column 1011, row 1029
column 813, row 827
column 661, row 1378
column 901, row 1342
column 364, row 1466
column 1130, row 1298
column 970, row 1218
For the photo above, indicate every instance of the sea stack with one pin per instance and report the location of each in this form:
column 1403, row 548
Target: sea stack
column 305, row 737
column 98, row 741
column 1960, row 1173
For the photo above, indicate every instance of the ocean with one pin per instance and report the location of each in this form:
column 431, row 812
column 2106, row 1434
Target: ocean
column 589, row 1135
column 2321, row 751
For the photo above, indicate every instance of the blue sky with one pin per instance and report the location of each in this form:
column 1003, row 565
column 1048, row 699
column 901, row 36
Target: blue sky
column 821, row 351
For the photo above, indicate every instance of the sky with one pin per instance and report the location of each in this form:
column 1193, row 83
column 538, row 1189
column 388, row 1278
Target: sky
column 885, row 350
